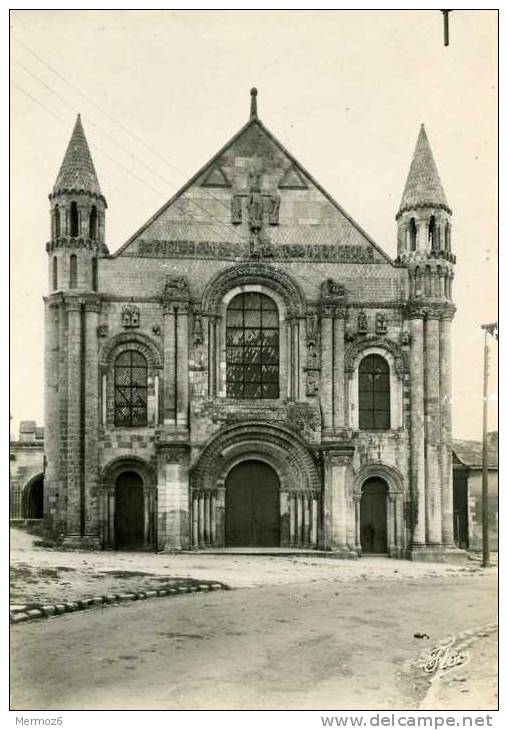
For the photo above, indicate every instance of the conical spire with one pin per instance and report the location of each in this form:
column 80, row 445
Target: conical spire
column 77, row 171
column 423, row 184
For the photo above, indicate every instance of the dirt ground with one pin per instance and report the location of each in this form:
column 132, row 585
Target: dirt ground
column 48, row 575
column 294, row 645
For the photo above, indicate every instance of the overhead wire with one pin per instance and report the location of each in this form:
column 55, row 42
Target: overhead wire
column 207, row 193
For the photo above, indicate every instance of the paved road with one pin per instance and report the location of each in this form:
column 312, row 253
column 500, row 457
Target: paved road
column 316, row 645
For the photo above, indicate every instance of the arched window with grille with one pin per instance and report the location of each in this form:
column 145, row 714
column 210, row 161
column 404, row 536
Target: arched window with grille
column 374, row 393
column 131, row 388
column 252, row 347
column 73, row 271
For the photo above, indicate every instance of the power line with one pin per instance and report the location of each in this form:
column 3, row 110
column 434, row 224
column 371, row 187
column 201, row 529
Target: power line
column 113, row 159
column 207, row 193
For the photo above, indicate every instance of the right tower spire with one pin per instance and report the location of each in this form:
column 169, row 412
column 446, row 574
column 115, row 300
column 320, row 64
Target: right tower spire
column 423, row 219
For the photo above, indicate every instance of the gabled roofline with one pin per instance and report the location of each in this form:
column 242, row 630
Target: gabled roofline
column 251, row 122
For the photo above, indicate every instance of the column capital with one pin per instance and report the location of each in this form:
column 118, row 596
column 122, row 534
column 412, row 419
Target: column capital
column 93, row 304
column 338, row 456
column 416, row 311
column 447, row 312
column 173, row 453
column 73, row 304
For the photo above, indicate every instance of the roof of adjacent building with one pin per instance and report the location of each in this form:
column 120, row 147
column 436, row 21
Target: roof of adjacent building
column 423, row 184
column 470, row 453
column 27, row 426
column 77, row 172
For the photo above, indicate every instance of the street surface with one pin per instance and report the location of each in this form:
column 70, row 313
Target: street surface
column 314, row 645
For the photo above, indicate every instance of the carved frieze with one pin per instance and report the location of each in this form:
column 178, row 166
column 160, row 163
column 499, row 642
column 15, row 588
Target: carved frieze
column 237, row 250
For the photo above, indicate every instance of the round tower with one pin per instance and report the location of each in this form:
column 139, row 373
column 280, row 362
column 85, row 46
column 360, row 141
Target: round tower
column 77, row 220
column 424, row 248
column 424, row 229
column 71, row 348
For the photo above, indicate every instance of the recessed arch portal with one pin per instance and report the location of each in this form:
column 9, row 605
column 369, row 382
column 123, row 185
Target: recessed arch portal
column 252, row 505
column 33, row 499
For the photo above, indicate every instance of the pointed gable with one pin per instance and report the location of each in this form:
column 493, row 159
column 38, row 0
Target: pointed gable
column 199, row 220
column 77, row 172
column 423, row 184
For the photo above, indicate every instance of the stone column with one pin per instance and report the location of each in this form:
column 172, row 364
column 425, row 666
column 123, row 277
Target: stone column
column 220, row 510
column 445, row 381
column 432, row 430
column 327, row 365
column 284, row 518
column 357, row 499
column 173, row 497
column 336, row 466
column 417, row 429
column 302, row 347
column 182, row 365
column 75, row 517
column 91, row 405
column 51, row 420
column 169, row 400
column 339, row 414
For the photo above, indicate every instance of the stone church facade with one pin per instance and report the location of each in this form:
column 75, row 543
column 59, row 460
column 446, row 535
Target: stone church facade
column 249, row 369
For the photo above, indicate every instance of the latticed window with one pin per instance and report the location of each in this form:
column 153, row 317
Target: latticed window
column 252, row 347
column 131, row 373
column 374, row 393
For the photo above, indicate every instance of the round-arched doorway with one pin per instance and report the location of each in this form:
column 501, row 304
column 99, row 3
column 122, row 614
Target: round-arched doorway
column 373, row 517
column 129, row 510
column 252, row 506
column 33, row 499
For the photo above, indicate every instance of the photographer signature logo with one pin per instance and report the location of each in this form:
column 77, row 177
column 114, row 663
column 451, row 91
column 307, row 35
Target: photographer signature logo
column 443, row 658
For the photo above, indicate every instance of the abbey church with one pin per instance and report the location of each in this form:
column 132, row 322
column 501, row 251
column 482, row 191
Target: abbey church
column 250, row 369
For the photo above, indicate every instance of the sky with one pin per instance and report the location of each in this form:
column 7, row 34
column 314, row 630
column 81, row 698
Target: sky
column 345, row 91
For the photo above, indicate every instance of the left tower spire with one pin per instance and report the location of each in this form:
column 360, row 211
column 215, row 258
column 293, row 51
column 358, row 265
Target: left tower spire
column 77, row 172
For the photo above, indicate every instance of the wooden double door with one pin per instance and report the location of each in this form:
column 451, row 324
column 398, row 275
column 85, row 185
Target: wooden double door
column 252, row 506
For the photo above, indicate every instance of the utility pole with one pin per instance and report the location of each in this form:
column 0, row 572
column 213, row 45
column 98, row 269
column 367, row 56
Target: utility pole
column 489, row 329
column 446, row 28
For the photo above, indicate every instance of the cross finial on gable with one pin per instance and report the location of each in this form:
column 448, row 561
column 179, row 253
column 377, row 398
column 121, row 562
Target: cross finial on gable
column 253, row 103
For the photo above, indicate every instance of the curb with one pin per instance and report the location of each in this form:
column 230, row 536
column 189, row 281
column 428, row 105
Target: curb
column 22, row 613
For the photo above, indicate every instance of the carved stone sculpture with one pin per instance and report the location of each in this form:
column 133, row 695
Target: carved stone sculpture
column 381, row 326
column 130, row 316
column 236, row 209
column 362, row 323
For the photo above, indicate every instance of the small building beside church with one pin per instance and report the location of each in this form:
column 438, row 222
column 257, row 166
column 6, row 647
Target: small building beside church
column 26, row 472
column 249, row 369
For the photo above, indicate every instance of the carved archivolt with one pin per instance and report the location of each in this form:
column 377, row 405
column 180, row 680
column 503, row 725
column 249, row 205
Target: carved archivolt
column 390, row 474
column 253, row 273
column 277, row 446
column 130, row 340
column 112, row 470
column 354, row 351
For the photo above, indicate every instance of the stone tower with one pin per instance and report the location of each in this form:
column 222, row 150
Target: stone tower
column 424, row 248
column 71, row 319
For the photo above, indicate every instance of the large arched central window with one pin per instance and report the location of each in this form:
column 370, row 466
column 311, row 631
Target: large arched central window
column 374, row 393
column 252, row 347
column 131, row 374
